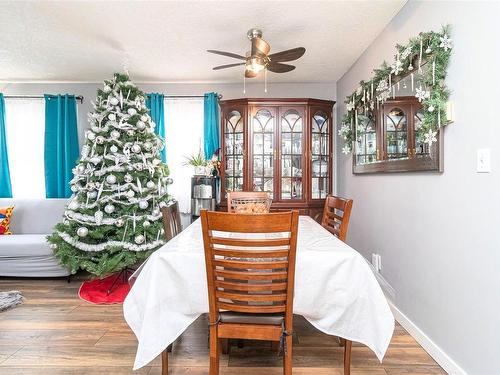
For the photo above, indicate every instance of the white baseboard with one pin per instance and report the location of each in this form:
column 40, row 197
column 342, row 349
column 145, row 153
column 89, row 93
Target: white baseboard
column 447, row 363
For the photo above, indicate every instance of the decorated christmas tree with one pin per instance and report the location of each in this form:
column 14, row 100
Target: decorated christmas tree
column 113, row 218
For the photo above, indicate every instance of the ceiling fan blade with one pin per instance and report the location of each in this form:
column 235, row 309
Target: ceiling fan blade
column 227, row 66
column 250, row 74
column 260, row 47
column 228, row 54
column 279, row 68
column 288, row 55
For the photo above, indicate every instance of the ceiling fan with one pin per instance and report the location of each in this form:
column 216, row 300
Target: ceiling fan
column 258, row 58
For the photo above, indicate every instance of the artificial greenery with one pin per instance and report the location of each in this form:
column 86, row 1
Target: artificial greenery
column 113, row 219
column 432, row 48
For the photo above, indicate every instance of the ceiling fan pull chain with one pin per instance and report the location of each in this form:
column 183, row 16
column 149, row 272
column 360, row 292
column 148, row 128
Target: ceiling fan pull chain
column 244, row 85
column 265, row 80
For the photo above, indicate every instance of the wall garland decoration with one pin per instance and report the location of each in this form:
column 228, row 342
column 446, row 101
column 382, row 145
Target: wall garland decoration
column 428, row 47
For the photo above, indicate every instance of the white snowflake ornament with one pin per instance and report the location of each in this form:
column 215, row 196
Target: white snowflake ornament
column 430, row 137
column 397, row 67
column 422, row 94
column 446, row 42
column 346, row 149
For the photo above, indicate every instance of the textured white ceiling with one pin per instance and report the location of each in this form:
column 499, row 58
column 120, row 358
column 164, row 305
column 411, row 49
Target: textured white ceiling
column 166, row 41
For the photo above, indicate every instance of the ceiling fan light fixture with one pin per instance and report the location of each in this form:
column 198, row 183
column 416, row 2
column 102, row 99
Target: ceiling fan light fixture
column 255, row 64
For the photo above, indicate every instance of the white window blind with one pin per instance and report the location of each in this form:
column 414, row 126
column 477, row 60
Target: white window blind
column 25, row 128
column 183, row 137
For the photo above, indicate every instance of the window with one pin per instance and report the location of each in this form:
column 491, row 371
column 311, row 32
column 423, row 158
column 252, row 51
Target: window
column 25, row 128
column 183, row 137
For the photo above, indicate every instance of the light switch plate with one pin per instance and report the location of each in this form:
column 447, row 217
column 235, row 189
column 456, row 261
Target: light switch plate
column 483, row 160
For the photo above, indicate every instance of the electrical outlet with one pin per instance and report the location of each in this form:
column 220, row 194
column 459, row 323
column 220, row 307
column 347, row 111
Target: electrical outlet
column 483, row 160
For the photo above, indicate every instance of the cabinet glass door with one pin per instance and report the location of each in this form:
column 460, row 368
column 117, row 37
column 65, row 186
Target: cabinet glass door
column 234, row 150
column 263, row 151
column 396, row 133
column 320, row 155
column 292, row 123
column 421, row 148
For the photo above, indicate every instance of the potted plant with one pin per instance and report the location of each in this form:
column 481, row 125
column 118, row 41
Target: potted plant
column 198, row 162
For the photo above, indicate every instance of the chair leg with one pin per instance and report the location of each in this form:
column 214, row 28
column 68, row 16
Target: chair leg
column 347, row 357
column 214, row 351
column 287, row 358
column 224, row 346
column 341, row 341
column 164, row 362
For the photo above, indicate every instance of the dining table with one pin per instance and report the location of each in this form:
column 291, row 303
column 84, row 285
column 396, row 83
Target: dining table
column 335, row 290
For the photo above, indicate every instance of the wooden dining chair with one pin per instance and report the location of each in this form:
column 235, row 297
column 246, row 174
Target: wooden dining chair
column 336, row 216
column 171, row 220
column 234, row 195
column 172, row 227
column 250, row 280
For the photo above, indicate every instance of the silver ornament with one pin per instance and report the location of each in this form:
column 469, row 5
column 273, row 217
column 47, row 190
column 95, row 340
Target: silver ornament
column 128, row 178
column 82, row 231
column 113, row 101
column 431, row 108
column 146, row 224
column 150, row 185
column 92, row 194
column 115, row 134
column 141, row 125
column 112, row 117
column 113, row 149
column 130, row 193
column 119, row 222
column 90, row 136
column 143, row 204
column 111, row 179
column 109, row 209
column 74, row 188
column 156, row 211
column 80, row 168
column 136, row 148
column 144, row 118
column 131, row 111
column 139, row 239
column 99, row 140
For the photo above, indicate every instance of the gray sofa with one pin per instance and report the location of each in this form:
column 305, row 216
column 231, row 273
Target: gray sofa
column 26, row 252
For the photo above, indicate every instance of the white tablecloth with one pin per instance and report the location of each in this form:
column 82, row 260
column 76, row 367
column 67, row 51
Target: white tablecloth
column 335, row 290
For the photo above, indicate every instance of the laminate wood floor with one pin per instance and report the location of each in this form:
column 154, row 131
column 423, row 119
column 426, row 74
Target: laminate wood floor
column 54, row 333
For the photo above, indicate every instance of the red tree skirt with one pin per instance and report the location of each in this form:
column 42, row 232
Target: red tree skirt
column 96, row 291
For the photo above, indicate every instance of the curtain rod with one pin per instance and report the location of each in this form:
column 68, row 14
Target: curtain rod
column 188, row 96
column 79, row 97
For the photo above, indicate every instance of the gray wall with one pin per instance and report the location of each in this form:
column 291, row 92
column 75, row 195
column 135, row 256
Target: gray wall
column 229, row 91
column 438, row 234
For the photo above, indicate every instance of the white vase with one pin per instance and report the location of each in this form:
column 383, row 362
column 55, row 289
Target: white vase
column 199, row 170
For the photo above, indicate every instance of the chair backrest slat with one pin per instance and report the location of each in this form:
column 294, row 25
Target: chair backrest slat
column 250, row 262
column 336, row 215
column 171, row 220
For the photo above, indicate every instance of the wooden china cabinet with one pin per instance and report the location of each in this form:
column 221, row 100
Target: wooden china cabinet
column 282, row 146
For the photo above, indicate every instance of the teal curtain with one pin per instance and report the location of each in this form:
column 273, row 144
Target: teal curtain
column 61, row 144
column 154, row 102
column 211, row 124
column 5, row 186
